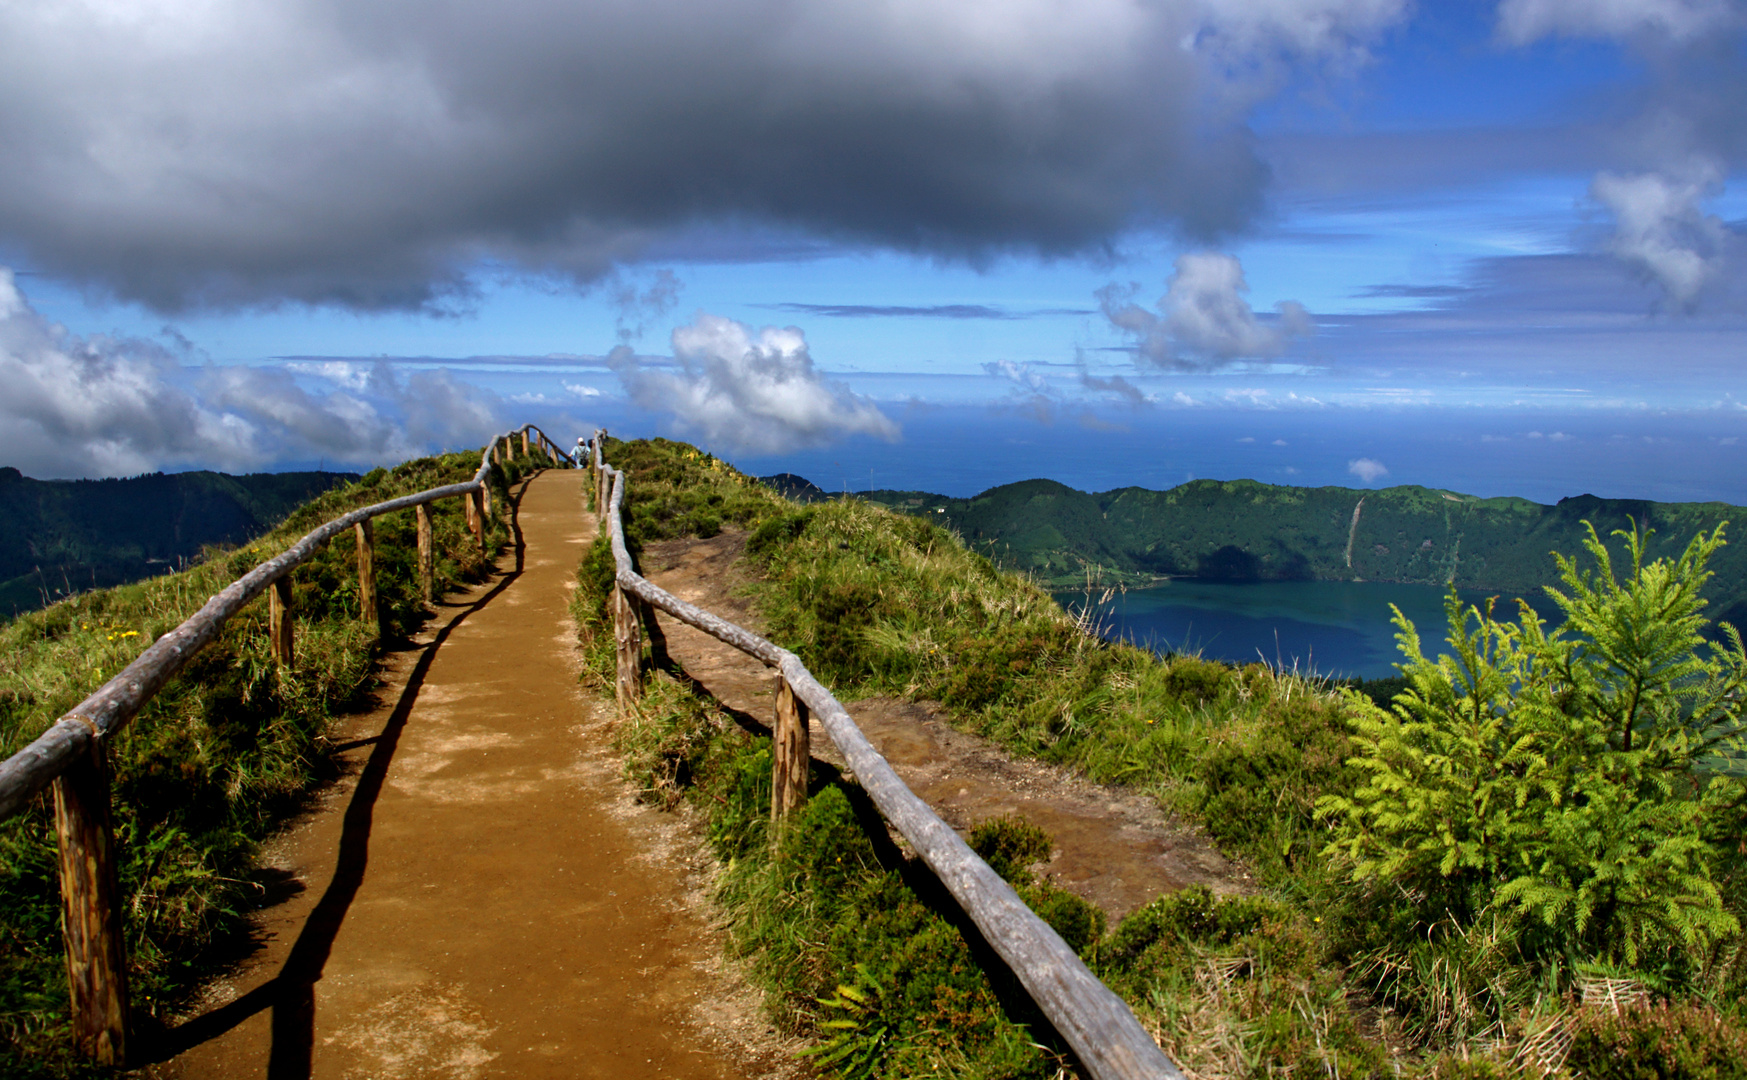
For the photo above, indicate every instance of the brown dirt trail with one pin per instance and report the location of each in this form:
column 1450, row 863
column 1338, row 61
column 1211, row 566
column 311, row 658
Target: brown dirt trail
column 498, row 905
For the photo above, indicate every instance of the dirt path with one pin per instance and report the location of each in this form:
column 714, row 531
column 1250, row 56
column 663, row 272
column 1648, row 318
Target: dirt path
column 1114, row 847
column 498, row 906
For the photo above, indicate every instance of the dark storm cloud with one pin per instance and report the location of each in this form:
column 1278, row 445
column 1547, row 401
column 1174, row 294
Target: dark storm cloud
column 377, row 155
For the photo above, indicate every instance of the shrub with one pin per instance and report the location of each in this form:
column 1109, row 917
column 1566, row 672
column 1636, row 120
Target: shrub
column 1011, row 846
column 1666, row 1042
column 1549, row 777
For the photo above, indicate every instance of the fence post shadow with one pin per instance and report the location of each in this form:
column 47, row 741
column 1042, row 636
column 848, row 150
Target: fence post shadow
column 291, row 993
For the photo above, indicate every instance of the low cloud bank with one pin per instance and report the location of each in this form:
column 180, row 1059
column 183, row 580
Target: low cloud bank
column 748, row 391
column 100, row 406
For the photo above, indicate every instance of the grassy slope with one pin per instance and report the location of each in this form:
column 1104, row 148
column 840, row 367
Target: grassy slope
column 1243, row 529
column 57, row 537
column 216, row 761
column 877, row 602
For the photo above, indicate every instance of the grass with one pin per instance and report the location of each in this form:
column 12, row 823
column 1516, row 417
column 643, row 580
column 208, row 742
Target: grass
column 1285, row 982
column 218, row 759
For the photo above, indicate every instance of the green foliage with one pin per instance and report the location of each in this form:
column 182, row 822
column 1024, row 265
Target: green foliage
column 814, row 900
column 59, row 537
column 1245, row 530
column 678, row 490
column 1235, row 987
column 1011, row 846
column 858, row 1030
column 1679, row 1042
column 777, row 532
column 216, row 760
column 1547, row 783
column 1322, row 974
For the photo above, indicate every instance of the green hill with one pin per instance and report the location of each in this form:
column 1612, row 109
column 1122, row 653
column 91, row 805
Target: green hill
column 1242, row 530
column 63, row 536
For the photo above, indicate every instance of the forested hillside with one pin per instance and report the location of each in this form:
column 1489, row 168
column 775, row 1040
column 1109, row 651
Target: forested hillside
column 1242, row 530
column 63, row 536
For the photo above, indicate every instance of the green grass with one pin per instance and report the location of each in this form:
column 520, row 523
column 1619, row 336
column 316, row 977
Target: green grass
column 1287, row 981
column 218, row 759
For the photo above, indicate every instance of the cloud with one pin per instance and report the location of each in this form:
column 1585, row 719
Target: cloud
column 1523, row 21
column 1659, row 228
column 753, row 392
column 637, row 311
column 929, row 311
column 1112, row 384
column 1031, row 392
column 1203, row 321
column 100, row 406
column 378, row 155
column 1367, row 469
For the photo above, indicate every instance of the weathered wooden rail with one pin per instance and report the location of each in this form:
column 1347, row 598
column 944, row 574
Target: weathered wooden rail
column 72, row 754
column 1097, row 1024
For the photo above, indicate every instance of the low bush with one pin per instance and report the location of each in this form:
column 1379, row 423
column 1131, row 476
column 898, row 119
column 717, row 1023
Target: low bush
column 1664, row 1042
column 1541, row 792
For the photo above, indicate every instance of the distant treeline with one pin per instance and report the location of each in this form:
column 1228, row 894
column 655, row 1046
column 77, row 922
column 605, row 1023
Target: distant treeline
column 64, row 536
column 1242, row 530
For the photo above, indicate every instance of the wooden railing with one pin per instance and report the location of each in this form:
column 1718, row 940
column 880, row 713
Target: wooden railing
column 1097, row 1024
column 72, row 754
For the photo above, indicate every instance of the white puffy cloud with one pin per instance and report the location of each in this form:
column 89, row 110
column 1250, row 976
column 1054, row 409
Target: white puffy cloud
column 100, row 407
column 753, row 392
column 1660, row 229
column 1370, row 470
column 78, row 407
column 1203, row 320
column 1523, row 21
column 378, row 155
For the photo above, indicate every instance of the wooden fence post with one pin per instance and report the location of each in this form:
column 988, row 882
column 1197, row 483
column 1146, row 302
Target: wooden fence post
column 90, row 908
column 427, row 554
column 788, row 781
column 279, row 620
column 367, row 573
column 476, row 517
column 485, row 499
column 628, row 644
column 525, row 442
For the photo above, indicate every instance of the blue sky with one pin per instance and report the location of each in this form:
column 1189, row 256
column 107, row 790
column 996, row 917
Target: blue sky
column 1492, row 247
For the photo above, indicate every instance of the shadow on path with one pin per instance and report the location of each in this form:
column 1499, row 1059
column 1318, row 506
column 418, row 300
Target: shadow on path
column 291, row 993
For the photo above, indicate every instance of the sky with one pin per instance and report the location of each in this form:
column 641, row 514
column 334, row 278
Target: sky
column 1491, row 247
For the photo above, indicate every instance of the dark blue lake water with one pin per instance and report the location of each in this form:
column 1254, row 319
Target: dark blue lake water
column 1338, row 628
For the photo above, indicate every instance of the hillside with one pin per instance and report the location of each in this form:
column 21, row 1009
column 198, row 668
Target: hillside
column 63, row 536
column 1242, row 530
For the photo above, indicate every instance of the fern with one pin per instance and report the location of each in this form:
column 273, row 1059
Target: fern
column 1554, row 778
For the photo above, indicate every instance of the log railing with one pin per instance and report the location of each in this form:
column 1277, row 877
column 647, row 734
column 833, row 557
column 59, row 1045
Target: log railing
column 1097, row 1024
column 72, row 754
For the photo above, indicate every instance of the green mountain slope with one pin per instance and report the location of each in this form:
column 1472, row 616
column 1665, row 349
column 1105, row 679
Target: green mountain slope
column 1242, row 530
column 63, row 536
